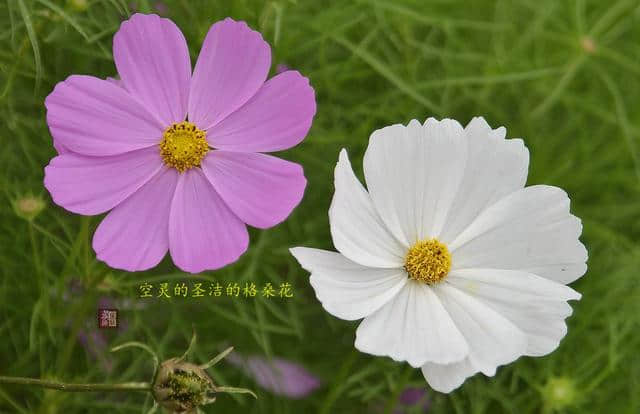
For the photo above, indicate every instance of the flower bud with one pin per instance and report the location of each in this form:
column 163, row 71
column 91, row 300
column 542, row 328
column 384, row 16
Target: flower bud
column 560, row 393
column 181, row 387
column 28, row 207
column 79, row 5
column 588, row 45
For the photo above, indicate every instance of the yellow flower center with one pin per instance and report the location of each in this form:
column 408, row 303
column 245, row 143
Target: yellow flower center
column 428, row 261
column 183, row 146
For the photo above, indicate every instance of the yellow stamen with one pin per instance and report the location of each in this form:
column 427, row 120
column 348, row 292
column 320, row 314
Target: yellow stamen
column 183, row 146
column 428, row 261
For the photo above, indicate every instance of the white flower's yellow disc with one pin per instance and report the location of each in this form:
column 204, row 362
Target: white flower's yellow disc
column 428, row 261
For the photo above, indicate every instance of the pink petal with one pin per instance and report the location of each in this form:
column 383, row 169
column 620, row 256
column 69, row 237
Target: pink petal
column 233, row 64
column 278, row 375
column 135, row 235
column 153, row 61
column 115, row 81
column 203, row 232
column 260, row 189
column 92, row 116
column 413, row 396
column 281, row 67
column 61, row 149
column 276, row 118
column 93, row 185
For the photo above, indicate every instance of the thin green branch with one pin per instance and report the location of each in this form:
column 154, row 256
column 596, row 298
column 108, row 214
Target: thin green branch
column 135, row 344
column 62, row 386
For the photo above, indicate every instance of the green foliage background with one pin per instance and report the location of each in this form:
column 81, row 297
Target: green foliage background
column 564, row 75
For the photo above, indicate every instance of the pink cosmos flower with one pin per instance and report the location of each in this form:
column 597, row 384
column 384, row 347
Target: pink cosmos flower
column 178, row 156
column 278, row 375
column 413, row 399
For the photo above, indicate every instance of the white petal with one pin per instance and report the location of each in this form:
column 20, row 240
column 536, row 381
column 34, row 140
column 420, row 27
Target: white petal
column 495, row 167
column 543, row 333
column 448, row 377
column 356, row 229
column 530, row 230
column 413, row 174
column 510, row 285
column 536, row 305
column 493, row 340
column 413, row 327
column 346, row 289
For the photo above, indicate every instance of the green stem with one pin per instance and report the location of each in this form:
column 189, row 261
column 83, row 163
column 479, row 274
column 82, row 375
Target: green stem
column 61, row 386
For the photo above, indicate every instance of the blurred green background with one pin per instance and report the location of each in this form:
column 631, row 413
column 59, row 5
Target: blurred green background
column 564, row 75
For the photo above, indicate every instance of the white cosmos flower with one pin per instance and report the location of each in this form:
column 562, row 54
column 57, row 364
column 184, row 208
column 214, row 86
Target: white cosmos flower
column 454, row 265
